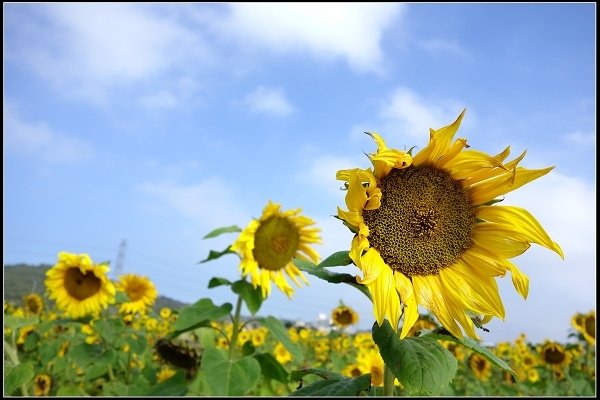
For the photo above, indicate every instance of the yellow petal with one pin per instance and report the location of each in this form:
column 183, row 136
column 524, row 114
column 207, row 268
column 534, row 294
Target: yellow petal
column 381, row 146
column 521, row 221
column 439, row 142
column 393, row 158
column 359, row 245
column 372, row 265
column 411, row 312
column 382, row 290
column 499, row 241
column 429, row 292
column 357, row 194
column 482, row 262
column 519, row 279
column 454, row 150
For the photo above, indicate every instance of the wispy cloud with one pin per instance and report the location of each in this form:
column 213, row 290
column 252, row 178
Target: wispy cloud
column 270, row 101
column 350, row 31
column 405, row 113
column 160, row 99
column 212, row 201
column 439, row 46
column 38, row 140
column 580, row 138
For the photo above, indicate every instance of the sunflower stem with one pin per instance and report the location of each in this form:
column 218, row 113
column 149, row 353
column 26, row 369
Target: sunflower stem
column 11, row 352
column 236, row 323
column 388, row 381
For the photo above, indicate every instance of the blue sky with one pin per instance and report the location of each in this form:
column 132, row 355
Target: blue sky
column 155, row 123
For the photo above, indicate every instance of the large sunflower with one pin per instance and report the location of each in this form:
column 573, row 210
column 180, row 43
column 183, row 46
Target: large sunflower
column 268, row 245
column 79, row 286
column 140, row 291
column 428, row 231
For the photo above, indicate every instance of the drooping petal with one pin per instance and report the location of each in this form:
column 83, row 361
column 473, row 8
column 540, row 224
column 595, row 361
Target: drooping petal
column 411, row 312
column 429, row 292
column 371, row 265
column 519, row 279
column 356, row 197
column 382, row 291
column 521, row 221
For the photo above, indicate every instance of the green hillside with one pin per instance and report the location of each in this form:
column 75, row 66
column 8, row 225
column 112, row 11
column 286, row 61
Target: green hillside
column 23, row 279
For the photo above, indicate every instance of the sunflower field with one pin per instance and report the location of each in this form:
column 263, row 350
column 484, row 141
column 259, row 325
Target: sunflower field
column 428, row 232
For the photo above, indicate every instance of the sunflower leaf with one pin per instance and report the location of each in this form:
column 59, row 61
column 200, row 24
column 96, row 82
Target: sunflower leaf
column 14, row 377
column 174, row 386
column 339, row 258
column 280, row 333
column 220, row 231
column 332, row 277
column 199, row 314
column 252, row 296
column 13, row 322
column 442, row 334
column 224, row 377
column 421, row 364
column 336, row 387
column 270, row 368
column 213, row 254
column 323, row 373
column 216, row 281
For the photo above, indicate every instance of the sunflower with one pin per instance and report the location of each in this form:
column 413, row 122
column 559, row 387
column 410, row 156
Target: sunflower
column 586, row 325
column 268, row 245
column 33, row 303
column 554, row 355
column 282, row 355
column 42, row 383
column 79, row 286
column 141, row 293
column 343, row 316
column 164, row 374
column 428, row 232
column 481, row 366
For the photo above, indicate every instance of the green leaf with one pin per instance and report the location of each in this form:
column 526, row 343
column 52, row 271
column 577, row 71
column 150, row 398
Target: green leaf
column 16, row 323
column 443, row 334
column 14, row 377
column 212, row 255
column 220, row 231
column 421, row 364
column 66, row 391
column 331, row 387
column 109, row 330
column 199, row 314
column 216, row 281
column 323, row 373
column 339, row 258
column 332, row 277
column 84, row 354
column 248, row 348
column 252, row 296
column 95, row 371
column 270, row 368
column 229, row 378
column 280, row 333
column 174, row 386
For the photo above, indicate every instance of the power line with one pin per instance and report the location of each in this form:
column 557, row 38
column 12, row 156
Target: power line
column 119, row 264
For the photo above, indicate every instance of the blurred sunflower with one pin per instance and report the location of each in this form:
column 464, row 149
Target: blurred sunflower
column 268, row 245
column 42, row 383
column 554, row 355
column 343, row 316
column 78, row 286
column 140, row 291
column 428, row 232
column 33, row 303
column 481, row 366
column 586, row 325
column 164, row 374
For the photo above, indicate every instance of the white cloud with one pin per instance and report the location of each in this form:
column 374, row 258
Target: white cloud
column 39, row 140
column 87, row 49
column 322, row 173
column 581, row 138
column 331, row 30
column 406, row 113
column 211, row 201
column 270, row 101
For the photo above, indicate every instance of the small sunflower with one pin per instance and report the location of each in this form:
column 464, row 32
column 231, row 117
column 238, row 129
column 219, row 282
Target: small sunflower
column 343, row 316
column 141, row 293
column 427, row 231
column 164, row 374
column 481, row 366
column 79, row 286
column 268, row 245
column 554, row 355
column 282, row 355
column 33, row 303
column 42, row 383
column 165, row 312
column 533, row 375
column 586, row 325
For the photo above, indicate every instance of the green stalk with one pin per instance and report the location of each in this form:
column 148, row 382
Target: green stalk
column 11, row 352
column 236, row 323
column 388, row 382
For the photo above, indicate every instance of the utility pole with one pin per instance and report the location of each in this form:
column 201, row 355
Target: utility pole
column 119, row 265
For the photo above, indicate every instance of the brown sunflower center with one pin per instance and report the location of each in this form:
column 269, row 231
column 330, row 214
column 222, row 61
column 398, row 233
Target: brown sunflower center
column 590, row 326
column 554, row 355
column 343, row 317
column 136, row 291
column 424, row 223
column 81, row 286
column 275, row 243
column 33, row 304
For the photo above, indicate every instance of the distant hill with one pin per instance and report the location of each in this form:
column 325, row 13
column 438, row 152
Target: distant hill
column 23, row 279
